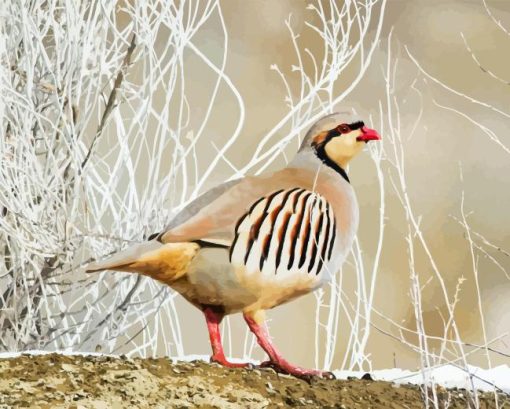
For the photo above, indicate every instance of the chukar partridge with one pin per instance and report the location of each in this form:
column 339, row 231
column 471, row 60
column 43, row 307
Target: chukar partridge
column 260, row 241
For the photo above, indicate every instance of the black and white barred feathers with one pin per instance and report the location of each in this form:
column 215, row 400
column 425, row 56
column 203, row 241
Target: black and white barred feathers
column 287, row 232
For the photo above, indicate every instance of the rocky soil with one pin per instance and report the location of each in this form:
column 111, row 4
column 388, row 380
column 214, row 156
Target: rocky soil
column 56, row 381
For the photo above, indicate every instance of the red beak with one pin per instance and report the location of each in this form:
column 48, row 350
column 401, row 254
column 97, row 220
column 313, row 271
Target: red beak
column 368, row 135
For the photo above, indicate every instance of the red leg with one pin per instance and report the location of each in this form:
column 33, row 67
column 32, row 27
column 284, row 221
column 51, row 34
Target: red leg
column 213, row 320
column 276, row 361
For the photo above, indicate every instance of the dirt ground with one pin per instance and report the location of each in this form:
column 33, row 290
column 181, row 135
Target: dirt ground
column 56, row 381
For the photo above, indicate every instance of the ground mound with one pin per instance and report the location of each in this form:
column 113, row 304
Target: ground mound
column 59, row 381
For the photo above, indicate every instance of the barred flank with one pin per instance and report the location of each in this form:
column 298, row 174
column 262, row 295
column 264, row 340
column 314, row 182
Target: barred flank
column 288, row 231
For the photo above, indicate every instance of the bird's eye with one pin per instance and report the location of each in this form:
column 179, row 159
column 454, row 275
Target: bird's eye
column 343, row 128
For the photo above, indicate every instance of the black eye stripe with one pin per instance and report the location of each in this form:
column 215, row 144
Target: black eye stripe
column 332, row 133
column 335, row 132
column 356, row 125
column 353, row 126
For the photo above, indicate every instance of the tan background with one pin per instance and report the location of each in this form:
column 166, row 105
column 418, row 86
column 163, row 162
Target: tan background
column 443, row 142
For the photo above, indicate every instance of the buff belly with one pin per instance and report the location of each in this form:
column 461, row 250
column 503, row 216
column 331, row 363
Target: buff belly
column 212, row 280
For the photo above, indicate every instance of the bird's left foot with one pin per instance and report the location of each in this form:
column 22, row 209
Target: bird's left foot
column 223, row 362
column 298, row 372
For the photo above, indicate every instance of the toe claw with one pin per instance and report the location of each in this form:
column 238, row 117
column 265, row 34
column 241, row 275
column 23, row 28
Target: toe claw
column 328, row 375
column 305, row 374
column 266, row 364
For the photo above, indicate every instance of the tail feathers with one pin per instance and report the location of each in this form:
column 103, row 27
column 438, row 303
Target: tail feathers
column 163, row 262
column 121, row 261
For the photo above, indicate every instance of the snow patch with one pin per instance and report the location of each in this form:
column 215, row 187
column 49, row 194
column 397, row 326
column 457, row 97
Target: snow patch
column 6, row 355
column 206, row 358
column 449, row 376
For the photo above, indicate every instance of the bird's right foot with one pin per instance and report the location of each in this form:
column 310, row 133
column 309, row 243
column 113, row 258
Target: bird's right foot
column 285, row 368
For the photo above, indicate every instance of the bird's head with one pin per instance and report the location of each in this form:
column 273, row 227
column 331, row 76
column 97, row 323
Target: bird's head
column 337, row 138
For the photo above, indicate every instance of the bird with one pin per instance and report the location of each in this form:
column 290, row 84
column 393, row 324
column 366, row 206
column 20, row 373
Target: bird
column 254, row 243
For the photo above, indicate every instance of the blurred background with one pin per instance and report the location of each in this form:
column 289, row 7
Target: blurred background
column 435, row 85
column 444, row 145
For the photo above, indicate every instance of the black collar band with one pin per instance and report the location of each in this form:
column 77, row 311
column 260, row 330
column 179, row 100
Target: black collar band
column 334, row 166
column 320, row 151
